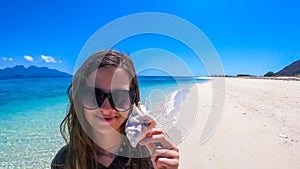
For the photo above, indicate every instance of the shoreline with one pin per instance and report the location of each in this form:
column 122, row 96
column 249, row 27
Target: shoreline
column 168, row 112
column 259, row 127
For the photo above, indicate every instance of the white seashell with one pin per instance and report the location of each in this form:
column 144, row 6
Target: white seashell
column 139, row 123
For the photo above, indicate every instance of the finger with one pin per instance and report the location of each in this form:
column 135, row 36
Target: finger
column 154, row 132
column 165, row 153
column 160, row 138
column 151, row 147
column 162, row 162
column 154, row 163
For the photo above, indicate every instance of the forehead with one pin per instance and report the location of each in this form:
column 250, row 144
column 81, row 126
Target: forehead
column 109, row 78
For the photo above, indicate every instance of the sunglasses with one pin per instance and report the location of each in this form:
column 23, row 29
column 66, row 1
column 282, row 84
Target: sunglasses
column 91, row 98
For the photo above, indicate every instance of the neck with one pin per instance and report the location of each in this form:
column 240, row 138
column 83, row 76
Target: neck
column 109, row 142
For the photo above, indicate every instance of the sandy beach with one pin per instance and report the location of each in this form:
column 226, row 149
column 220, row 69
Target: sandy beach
column 259, row 127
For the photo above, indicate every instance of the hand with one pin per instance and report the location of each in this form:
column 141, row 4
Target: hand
column 165, row 154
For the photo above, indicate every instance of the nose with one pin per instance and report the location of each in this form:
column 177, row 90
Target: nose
column 106, row 105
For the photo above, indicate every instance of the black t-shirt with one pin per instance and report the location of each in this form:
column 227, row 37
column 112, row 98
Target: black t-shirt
column 119, row 162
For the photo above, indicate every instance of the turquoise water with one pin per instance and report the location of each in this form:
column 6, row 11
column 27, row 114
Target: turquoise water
column 31, row 111
column 30, row 114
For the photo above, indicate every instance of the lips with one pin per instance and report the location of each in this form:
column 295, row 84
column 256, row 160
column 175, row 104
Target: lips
column 109, row 119
column 106, row 118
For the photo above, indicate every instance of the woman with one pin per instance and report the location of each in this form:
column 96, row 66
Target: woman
column 101, row 97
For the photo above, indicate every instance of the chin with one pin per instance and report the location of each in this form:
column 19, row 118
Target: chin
column 106, row 128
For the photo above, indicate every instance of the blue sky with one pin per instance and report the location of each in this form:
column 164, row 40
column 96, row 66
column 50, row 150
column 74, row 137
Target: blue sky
column 251, row 37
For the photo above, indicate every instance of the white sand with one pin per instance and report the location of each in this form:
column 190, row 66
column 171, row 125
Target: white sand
column 259, row 129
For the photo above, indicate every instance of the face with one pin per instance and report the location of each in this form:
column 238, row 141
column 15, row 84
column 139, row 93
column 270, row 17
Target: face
column 105, row 118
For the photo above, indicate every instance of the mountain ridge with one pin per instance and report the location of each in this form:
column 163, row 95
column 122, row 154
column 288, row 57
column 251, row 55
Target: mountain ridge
column 19, row 71
column 292, row 69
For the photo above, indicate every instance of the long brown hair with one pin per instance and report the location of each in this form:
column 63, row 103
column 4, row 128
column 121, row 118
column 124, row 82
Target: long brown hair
column 81, row 153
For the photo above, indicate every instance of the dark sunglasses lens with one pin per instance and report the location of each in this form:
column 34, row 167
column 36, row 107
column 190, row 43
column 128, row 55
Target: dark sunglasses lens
column 121, row 100
column 87, row 98
column 92, row 98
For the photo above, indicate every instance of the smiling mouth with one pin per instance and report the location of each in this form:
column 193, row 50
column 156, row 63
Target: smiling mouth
column 107, row 119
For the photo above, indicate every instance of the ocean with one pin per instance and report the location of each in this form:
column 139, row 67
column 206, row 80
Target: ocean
column 31, row 110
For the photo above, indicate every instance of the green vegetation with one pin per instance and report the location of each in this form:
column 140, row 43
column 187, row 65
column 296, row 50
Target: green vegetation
column 243, row 75
column 270, row 74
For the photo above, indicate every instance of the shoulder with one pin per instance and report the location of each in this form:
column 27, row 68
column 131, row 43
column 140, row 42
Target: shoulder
column 60, row 158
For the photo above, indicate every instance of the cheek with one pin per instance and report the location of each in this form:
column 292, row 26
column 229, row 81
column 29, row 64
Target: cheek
column 88, row 114
column 124, row 114
column 123, row 117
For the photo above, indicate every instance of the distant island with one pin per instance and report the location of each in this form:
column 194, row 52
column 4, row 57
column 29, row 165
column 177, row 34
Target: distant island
column 20, row 71
column 291, row 71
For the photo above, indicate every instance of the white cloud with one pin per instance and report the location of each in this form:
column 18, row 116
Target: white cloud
column 7, row 59
column 48, row 59
column 59, row 61
column 28, row 58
